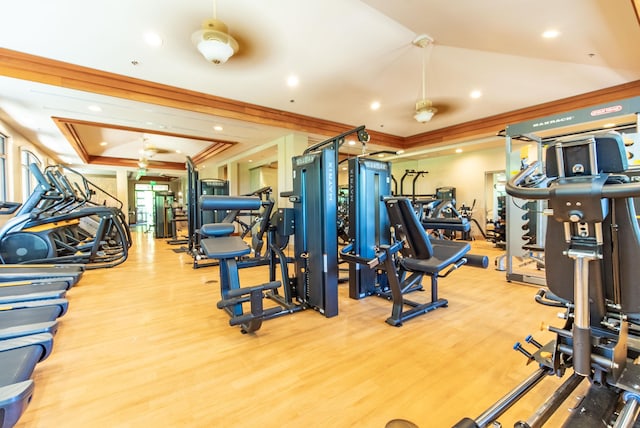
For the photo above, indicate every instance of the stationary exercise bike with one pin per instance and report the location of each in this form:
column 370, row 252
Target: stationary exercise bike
column 592, row 269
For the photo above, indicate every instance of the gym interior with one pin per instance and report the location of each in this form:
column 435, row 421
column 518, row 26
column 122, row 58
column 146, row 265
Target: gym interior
column 191, row 245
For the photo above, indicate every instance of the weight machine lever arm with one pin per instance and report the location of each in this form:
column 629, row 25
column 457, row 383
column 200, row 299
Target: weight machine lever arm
column 347, row 255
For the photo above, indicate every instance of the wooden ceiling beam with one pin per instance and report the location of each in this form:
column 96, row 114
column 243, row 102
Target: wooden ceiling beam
column 490, row 126
column 29, row 67
column 43, row 70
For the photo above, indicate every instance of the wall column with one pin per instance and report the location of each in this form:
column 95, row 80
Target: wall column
column 288, row 147
column 234, row 178
column 122, row 191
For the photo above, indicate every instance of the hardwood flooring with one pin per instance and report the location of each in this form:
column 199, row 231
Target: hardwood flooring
column 143, row 345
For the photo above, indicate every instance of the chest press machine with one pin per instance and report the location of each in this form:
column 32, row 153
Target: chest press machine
column 389, row 252
column 592, row 246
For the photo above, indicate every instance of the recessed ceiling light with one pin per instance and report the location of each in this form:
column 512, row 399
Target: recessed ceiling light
column 399, row 152
column 95, row 108
column 380, row 155
column 250, row 160
column 217, row 128
column 178, row 151
column 351, row 142
column 152, row 39
column 550, row 34
column 375, row 105
column 344, row 168
column 475, row 94
column 103, row 143
column 292, row 81
column 608, row 125
column 458, row 150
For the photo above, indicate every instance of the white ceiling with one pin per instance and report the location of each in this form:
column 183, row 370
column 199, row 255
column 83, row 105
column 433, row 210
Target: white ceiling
column 347, row 53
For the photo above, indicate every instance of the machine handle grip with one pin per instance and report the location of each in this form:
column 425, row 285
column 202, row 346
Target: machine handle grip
column 625, row 190
column 514, row 186
column 40, row 178
column 613, row 191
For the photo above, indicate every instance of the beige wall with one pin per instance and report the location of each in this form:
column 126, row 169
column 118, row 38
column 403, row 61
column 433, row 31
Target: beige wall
column 464, row 171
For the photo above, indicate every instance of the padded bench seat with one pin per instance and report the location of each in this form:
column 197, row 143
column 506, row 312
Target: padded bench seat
column 225, row 247
column 444, row 253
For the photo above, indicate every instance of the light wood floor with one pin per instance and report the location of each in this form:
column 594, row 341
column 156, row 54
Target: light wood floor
column 143, row 345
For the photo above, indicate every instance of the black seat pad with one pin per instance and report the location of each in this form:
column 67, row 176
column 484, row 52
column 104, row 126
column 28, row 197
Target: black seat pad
column 225, row 247
column 444, row 254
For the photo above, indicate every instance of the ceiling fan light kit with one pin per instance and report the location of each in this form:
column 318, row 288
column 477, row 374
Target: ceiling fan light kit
column 149, row 152
column 214, row 41
column 422, row 41
column 424, row 111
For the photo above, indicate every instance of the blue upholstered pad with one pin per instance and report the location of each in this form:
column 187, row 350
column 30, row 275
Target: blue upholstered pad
column 444, row 253
column 227, row 203
column 213, row 230
column 225, row 247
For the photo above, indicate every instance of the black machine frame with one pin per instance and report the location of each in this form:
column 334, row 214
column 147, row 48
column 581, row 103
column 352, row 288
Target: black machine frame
column 315, row 205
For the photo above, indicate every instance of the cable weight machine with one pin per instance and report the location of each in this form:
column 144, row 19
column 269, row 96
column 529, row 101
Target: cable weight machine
column 315, row 201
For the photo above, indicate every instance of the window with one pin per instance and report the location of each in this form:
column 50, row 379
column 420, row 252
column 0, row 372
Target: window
column 28, row 180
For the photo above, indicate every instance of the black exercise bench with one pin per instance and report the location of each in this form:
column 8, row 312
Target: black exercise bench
column 418, row 255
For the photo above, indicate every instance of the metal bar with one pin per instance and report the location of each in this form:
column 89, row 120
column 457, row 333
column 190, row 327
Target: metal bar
column 548, row 408
column 502, row 405
column 629, row 413
column 336, row 142
column 581, row 328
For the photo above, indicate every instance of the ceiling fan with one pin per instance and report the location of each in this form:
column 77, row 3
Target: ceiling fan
column 148, row 151
column 424, row 107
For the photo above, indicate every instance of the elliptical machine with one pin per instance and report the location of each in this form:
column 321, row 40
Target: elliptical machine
column 592, row 245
